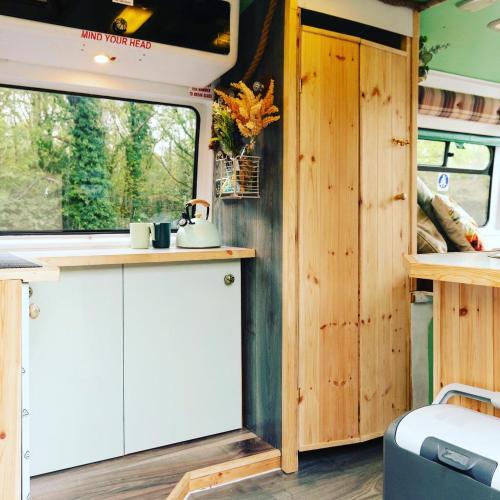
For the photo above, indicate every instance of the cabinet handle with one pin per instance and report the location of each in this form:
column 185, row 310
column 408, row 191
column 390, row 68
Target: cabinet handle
column 34, row 311
column 400, row 142
column 229, row 279
column 401, row 196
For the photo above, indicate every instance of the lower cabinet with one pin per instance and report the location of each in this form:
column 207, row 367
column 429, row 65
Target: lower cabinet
column 76, row 370
column 182, row 352
column 125, row 359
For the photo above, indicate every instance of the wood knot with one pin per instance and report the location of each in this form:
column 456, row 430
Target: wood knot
column 463, row 311
column 3, row 435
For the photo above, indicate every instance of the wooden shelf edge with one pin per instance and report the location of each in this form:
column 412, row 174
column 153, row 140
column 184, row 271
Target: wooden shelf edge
column 452, row 273
column 342, row 442
column 226, row 472
column 30, row 275
column 122, row 256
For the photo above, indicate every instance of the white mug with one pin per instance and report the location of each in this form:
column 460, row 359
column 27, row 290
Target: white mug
column 140, row 234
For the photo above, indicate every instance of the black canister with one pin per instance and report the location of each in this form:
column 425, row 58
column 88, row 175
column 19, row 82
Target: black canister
column 161, row 236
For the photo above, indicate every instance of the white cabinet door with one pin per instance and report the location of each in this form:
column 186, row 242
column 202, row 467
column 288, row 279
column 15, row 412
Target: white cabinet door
column 182, row 352
column 76, row 373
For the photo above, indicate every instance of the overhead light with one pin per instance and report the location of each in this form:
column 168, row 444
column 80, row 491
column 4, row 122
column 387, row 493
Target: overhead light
column 494, row 25
column 474, row 5
column 103, row 59
column 223, row 40
column 131, row 19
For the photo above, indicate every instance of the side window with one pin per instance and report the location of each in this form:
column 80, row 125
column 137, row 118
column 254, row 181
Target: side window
column 76, row 163
column 467, row 167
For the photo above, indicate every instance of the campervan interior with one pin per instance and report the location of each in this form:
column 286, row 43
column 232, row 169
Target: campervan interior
column 249, row 249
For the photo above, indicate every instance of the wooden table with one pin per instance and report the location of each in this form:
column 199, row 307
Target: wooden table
column 466, row 318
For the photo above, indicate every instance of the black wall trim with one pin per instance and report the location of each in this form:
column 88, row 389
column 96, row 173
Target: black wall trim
column 346, row 27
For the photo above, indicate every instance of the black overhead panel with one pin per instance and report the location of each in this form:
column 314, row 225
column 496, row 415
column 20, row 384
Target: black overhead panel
column 194, row 24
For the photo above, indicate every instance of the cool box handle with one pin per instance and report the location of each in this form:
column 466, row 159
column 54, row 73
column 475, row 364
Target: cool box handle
column 468, row 391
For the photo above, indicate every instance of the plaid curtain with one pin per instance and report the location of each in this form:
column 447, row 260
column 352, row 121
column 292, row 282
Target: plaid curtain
column 447, row 104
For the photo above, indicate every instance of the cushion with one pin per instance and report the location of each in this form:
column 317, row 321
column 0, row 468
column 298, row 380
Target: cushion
column 460, row 227
column 424, row 197
column 429, row 239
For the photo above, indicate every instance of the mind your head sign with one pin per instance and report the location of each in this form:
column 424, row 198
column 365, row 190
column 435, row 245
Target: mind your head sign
column 115, row 39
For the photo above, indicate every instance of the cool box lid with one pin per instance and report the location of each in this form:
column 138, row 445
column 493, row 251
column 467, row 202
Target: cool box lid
column 467, row 429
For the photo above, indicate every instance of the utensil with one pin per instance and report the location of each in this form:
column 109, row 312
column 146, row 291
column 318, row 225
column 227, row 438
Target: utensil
column 194, row 230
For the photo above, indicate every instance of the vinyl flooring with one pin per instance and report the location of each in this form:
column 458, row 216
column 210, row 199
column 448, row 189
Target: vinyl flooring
column 347, row 473
column 149, row 475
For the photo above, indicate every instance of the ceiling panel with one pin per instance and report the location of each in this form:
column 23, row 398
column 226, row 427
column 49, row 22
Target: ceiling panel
column 474, row 48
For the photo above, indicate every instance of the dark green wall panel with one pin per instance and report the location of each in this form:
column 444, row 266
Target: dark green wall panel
column 258, row 224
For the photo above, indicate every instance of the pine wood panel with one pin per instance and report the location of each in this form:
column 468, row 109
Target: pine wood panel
column 384, row 238
column 466, row 338
column 328, row 240
column 496, row 343
column 289, row 441
column 414, row 61
column 10, row 389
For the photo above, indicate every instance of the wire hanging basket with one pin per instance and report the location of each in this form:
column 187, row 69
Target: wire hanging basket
column 237, row 177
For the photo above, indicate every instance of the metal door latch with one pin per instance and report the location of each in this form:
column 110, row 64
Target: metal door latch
column 229, row 279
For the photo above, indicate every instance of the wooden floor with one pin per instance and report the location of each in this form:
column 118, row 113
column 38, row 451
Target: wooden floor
column 149, row 475
column 347, row 473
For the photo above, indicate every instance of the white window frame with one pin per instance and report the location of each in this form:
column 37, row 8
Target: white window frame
column 63, row 80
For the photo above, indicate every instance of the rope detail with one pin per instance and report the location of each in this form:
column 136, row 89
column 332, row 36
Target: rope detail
column 264, row 38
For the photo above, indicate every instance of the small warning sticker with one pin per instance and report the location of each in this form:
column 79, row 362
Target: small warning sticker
column 124, row 2
column 204, row 92
column 443, row 183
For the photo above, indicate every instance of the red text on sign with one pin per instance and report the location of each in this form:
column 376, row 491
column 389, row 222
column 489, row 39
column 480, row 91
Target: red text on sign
column 116, row 39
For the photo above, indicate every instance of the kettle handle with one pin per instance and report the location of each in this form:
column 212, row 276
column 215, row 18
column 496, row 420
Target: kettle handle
column 197, row 201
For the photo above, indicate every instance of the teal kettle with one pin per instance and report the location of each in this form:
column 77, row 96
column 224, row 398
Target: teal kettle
column 194, row 230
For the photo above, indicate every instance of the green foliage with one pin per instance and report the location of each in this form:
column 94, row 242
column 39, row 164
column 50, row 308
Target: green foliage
column 426, row 54
column 225, row 132
column 78, row 163
column 86, row 187
column 138, row 148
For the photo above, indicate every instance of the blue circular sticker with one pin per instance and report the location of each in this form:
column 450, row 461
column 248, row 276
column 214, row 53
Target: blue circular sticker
column 443, row 182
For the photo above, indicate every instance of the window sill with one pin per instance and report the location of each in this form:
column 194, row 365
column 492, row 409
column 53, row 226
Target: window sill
column 73, row 241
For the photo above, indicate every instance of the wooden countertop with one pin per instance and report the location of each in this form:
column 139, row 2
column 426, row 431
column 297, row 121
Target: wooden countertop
column 31, row 275
column 471, row 268
column 116, row 256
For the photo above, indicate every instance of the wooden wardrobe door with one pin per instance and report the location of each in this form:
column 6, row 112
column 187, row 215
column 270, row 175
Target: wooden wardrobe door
column 328, row 241
column 384, row 237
